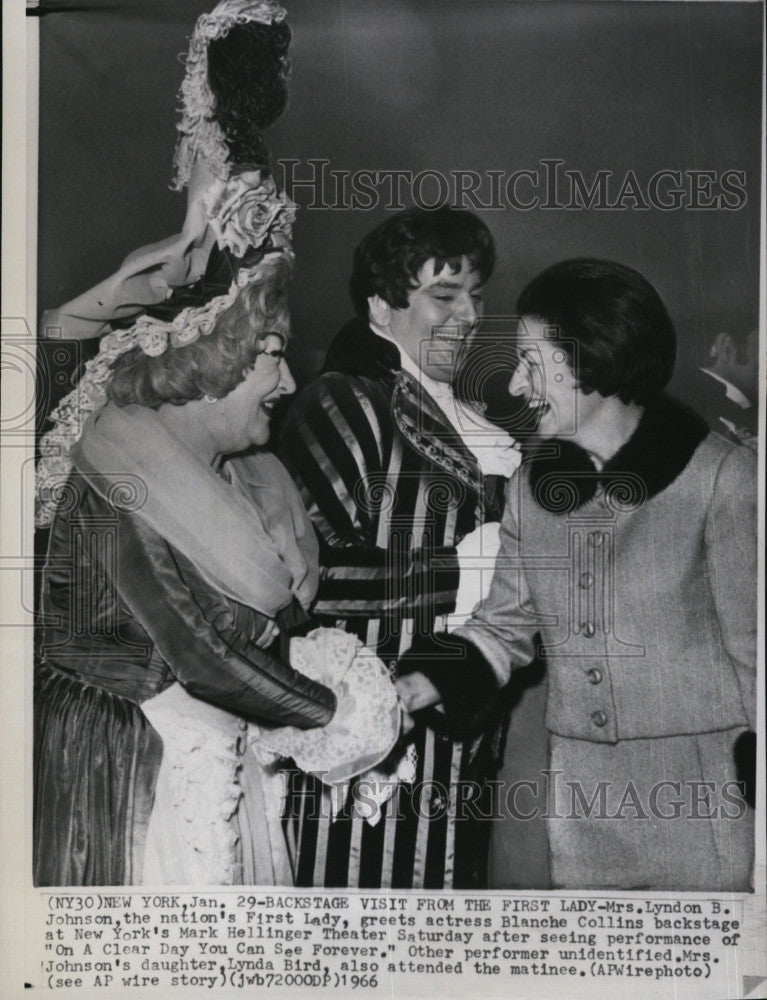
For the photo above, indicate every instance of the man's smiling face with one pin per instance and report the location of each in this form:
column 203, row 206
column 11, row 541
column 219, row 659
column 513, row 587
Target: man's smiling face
column 441, row 313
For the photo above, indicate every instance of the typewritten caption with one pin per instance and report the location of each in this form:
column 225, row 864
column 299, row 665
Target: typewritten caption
column 115, row 941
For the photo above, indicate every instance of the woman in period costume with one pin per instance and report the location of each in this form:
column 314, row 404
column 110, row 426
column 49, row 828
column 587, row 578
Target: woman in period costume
column 165, row 580
column 629, row 545
column 163, row 585
column 171, row 572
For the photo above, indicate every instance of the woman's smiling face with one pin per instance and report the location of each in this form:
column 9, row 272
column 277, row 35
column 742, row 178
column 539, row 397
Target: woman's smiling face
column 548, row 384
column 245, row 413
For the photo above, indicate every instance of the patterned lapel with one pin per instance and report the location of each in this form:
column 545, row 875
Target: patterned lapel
column 427, row 430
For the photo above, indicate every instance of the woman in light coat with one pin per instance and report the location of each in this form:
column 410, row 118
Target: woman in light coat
column 628, row 552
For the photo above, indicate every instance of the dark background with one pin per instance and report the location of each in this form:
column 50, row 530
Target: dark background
column 467, row 84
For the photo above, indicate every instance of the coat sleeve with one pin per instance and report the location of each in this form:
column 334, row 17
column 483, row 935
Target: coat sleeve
column 504, row 626
column 731, row 558
column 198, row 633
column 469, row 666
column 336, row 442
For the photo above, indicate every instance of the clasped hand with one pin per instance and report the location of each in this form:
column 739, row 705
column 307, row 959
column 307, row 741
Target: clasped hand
column 415, row 692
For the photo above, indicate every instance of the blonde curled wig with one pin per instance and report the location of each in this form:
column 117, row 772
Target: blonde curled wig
column 213, row 364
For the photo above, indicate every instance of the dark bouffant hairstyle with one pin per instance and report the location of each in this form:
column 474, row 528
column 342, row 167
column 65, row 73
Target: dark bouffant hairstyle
column 613, row 320
column 248, row 76
column 388, row 260
column 215, row 363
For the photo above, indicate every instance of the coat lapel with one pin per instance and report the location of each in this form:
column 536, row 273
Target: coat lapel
column 427, row 430
column 357, row 350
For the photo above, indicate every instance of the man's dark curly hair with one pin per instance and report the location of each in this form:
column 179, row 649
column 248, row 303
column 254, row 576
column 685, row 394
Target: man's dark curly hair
column 388, row 260
column 248, row 75
column 611, row 324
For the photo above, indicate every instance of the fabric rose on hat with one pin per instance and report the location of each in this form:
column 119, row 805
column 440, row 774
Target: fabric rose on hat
column 247, row 210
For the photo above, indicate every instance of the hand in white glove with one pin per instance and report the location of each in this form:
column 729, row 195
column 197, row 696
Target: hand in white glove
column 476, row 561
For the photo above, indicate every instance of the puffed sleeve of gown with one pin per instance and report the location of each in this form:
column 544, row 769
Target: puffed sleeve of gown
column 195, row 631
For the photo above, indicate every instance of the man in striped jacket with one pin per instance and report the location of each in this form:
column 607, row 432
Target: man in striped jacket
column 399, row 481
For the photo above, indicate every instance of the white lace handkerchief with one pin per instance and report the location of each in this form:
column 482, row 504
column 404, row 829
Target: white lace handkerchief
column 366, row 724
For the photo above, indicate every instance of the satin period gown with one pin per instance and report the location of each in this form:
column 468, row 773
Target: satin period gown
column 125, row 618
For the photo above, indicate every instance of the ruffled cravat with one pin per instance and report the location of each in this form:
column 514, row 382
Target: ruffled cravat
column 496, row 451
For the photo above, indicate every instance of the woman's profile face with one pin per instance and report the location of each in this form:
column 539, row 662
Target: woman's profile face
column 244, row 415
column 548, row 384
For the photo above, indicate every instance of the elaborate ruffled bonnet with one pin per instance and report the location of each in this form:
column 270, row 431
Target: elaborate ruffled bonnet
column 160, row 295
column 201, row 134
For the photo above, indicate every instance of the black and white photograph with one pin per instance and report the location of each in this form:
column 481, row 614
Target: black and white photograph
column 384, row 429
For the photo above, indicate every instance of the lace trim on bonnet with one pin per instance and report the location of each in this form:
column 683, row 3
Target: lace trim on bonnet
column 200, row 133
column 245, row 211
column 153, row 336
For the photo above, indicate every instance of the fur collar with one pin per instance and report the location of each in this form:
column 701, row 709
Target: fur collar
column 356, row 350
column 655, row 455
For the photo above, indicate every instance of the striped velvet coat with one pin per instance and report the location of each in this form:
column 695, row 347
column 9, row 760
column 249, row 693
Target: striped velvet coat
column 391, row 489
